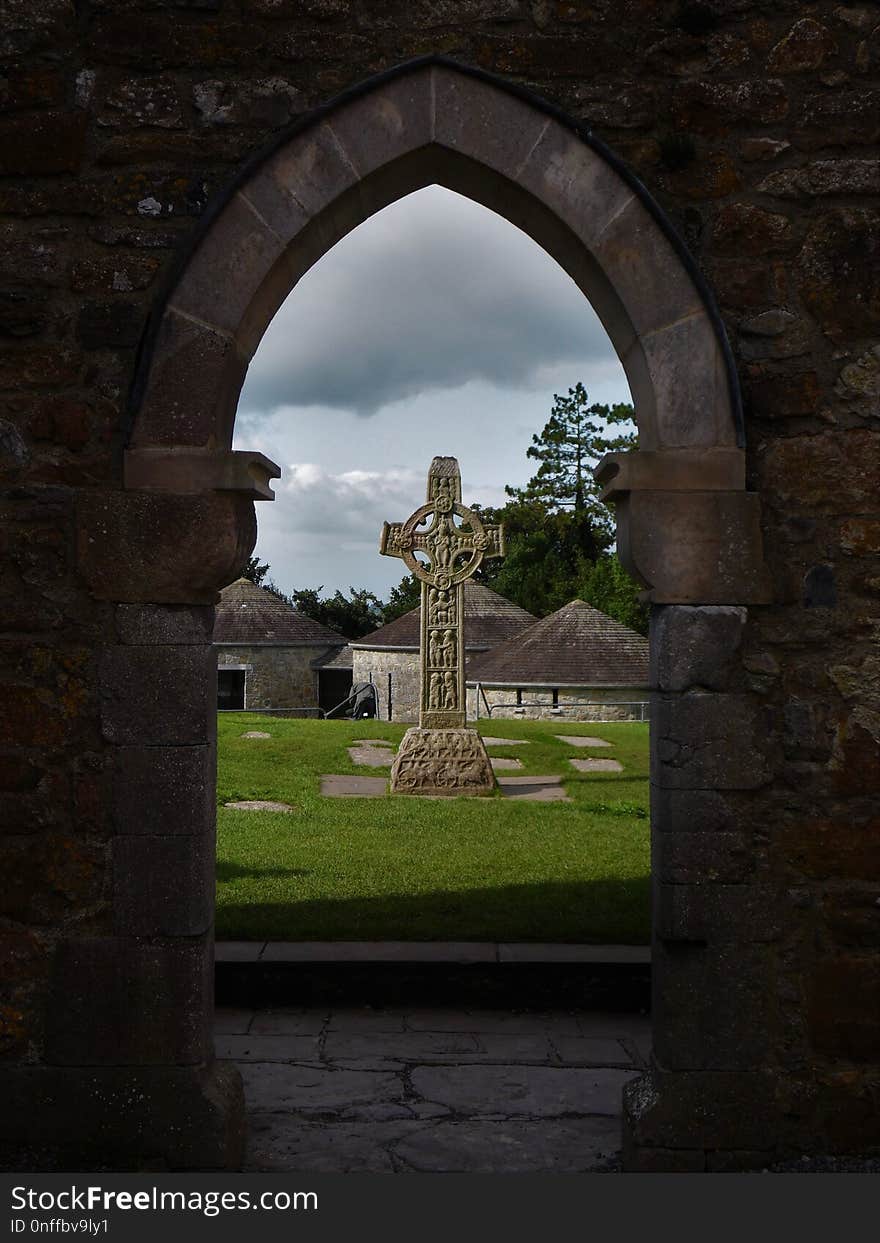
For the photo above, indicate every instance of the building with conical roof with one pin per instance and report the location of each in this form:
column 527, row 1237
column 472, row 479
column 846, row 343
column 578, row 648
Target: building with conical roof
column 577, row 663
column 389, row 657
column 272, row 658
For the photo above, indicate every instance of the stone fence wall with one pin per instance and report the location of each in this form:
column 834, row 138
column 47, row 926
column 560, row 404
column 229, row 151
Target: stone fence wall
column 570, row 703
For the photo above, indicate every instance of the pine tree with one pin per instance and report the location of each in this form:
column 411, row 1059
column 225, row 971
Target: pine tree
column 573, row 440
column 255, row 571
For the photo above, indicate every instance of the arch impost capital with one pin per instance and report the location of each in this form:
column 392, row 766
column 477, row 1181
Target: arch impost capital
column 183, row 469
column 687, row 529
column 671, row 470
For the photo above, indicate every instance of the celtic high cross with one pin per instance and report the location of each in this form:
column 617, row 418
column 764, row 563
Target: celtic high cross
column 442, row 553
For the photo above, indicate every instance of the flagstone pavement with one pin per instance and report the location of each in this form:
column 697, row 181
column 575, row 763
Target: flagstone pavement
column 346, row 1090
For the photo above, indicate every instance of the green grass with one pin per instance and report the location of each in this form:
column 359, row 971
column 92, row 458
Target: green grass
column 404, row 868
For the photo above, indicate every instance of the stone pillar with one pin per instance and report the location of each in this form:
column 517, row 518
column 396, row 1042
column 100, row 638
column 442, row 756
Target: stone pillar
column 709, row 1100
column 128, row 1033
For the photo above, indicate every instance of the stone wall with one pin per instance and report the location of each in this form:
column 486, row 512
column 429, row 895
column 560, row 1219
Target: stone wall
column 538, row 704
column 276, row 677
column 756, row 128
column 375, row 666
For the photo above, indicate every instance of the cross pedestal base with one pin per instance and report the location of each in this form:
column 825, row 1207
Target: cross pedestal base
column 451, row 762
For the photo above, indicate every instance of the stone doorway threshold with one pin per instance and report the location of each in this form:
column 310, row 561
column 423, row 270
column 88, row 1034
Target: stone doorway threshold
column 272, row 973
column 339, row 1089
column 453, row 952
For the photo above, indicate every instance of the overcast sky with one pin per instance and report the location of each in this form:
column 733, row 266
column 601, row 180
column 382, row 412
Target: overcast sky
column 434, row 328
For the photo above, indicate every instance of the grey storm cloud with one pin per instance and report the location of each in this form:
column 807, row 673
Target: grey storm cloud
column 431, row 293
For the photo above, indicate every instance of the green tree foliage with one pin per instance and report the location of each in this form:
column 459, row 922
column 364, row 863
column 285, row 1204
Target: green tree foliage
column 606, row 585
column 353, row 615
column 255, row 571
column 572, row 441
column 405, row 596
column 546, row 551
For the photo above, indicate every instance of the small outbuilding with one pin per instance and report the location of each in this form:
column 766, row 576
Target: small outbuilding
column 577, row 664
column 389, row 657
column 272, row 658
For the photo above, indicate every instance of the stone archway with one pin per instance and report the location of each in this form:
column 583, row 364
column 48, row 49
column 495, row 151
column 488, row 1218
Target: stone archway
column 184, row 522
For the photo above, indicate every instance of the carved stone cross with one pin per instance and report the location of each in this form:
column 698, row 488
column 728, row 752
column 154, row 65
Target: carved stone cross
column 442, row 553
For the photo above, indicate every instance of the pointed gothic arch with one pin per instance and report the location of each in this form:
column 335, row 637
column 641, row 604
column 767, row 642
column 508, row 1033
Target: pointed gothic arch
column 184, row 523
column 434, row 122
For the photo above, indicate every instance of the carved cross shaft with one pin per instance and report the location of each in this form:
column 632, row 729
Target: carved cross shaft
column 448, row 554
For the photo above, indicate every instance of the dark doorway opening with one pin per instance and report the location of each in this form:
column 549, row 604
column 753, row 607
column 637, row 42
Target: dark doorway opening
column 230, row 690
column 334, row 685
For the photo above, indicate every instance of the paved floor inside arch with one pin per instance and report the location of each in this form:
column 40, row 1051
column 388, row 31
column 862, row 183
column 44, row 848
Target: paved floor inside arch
column 431, row 1090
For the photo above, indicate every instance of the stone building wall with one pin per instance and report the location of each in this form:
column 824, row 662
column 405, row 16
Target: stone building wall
column 755, row 126
column 572, row 703
column 403, row 667
column 276, row 677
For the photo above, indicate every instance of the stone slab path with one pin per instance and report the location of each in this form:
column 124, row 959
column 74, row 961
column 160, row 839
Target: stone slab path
column 427, row 951
column 579, row 740
column 259, row 804
column 505, row 742
column 359, row 1090
column 501, row 762
column 535, row 789
column 346, row 786
column 597, row 766
column 371, row 757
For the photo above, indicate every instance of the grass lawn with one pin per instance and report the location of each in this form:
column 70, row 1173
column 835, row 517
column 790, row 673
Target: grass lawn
column 405, row 868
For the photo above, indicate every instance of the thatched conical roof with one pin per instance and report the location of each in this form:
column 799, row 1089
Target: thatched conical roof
column 247, row 613
column 489, row 619
column 575, row 646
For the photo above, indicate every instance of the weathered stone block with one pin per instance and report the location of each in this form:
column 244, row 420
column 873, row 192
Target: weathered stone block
column 718, row 913
column 119, row 1001
column 158, row 695
column 690, row 811
column 119, row 1117
column 163, row 886
column 695, row 647
column 229, row 268
column 161, row 548
column 373, row 132
column 478, row 119
column 695, row 858
column 806, row 46
column 716, row 742
column 698, row 416
column 741, row 229
column 646, row 273
column 832, row 472
column 110, row 325
column 173, row 411
column 843, row 241
column 853, row 917
column 823, row 848
column 163, row 790
column 41, row 143
column 785, row 396
column 844, row 1008
column 51, row 876
column 143, row 624
column 694, row 547
column 700, row 1109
